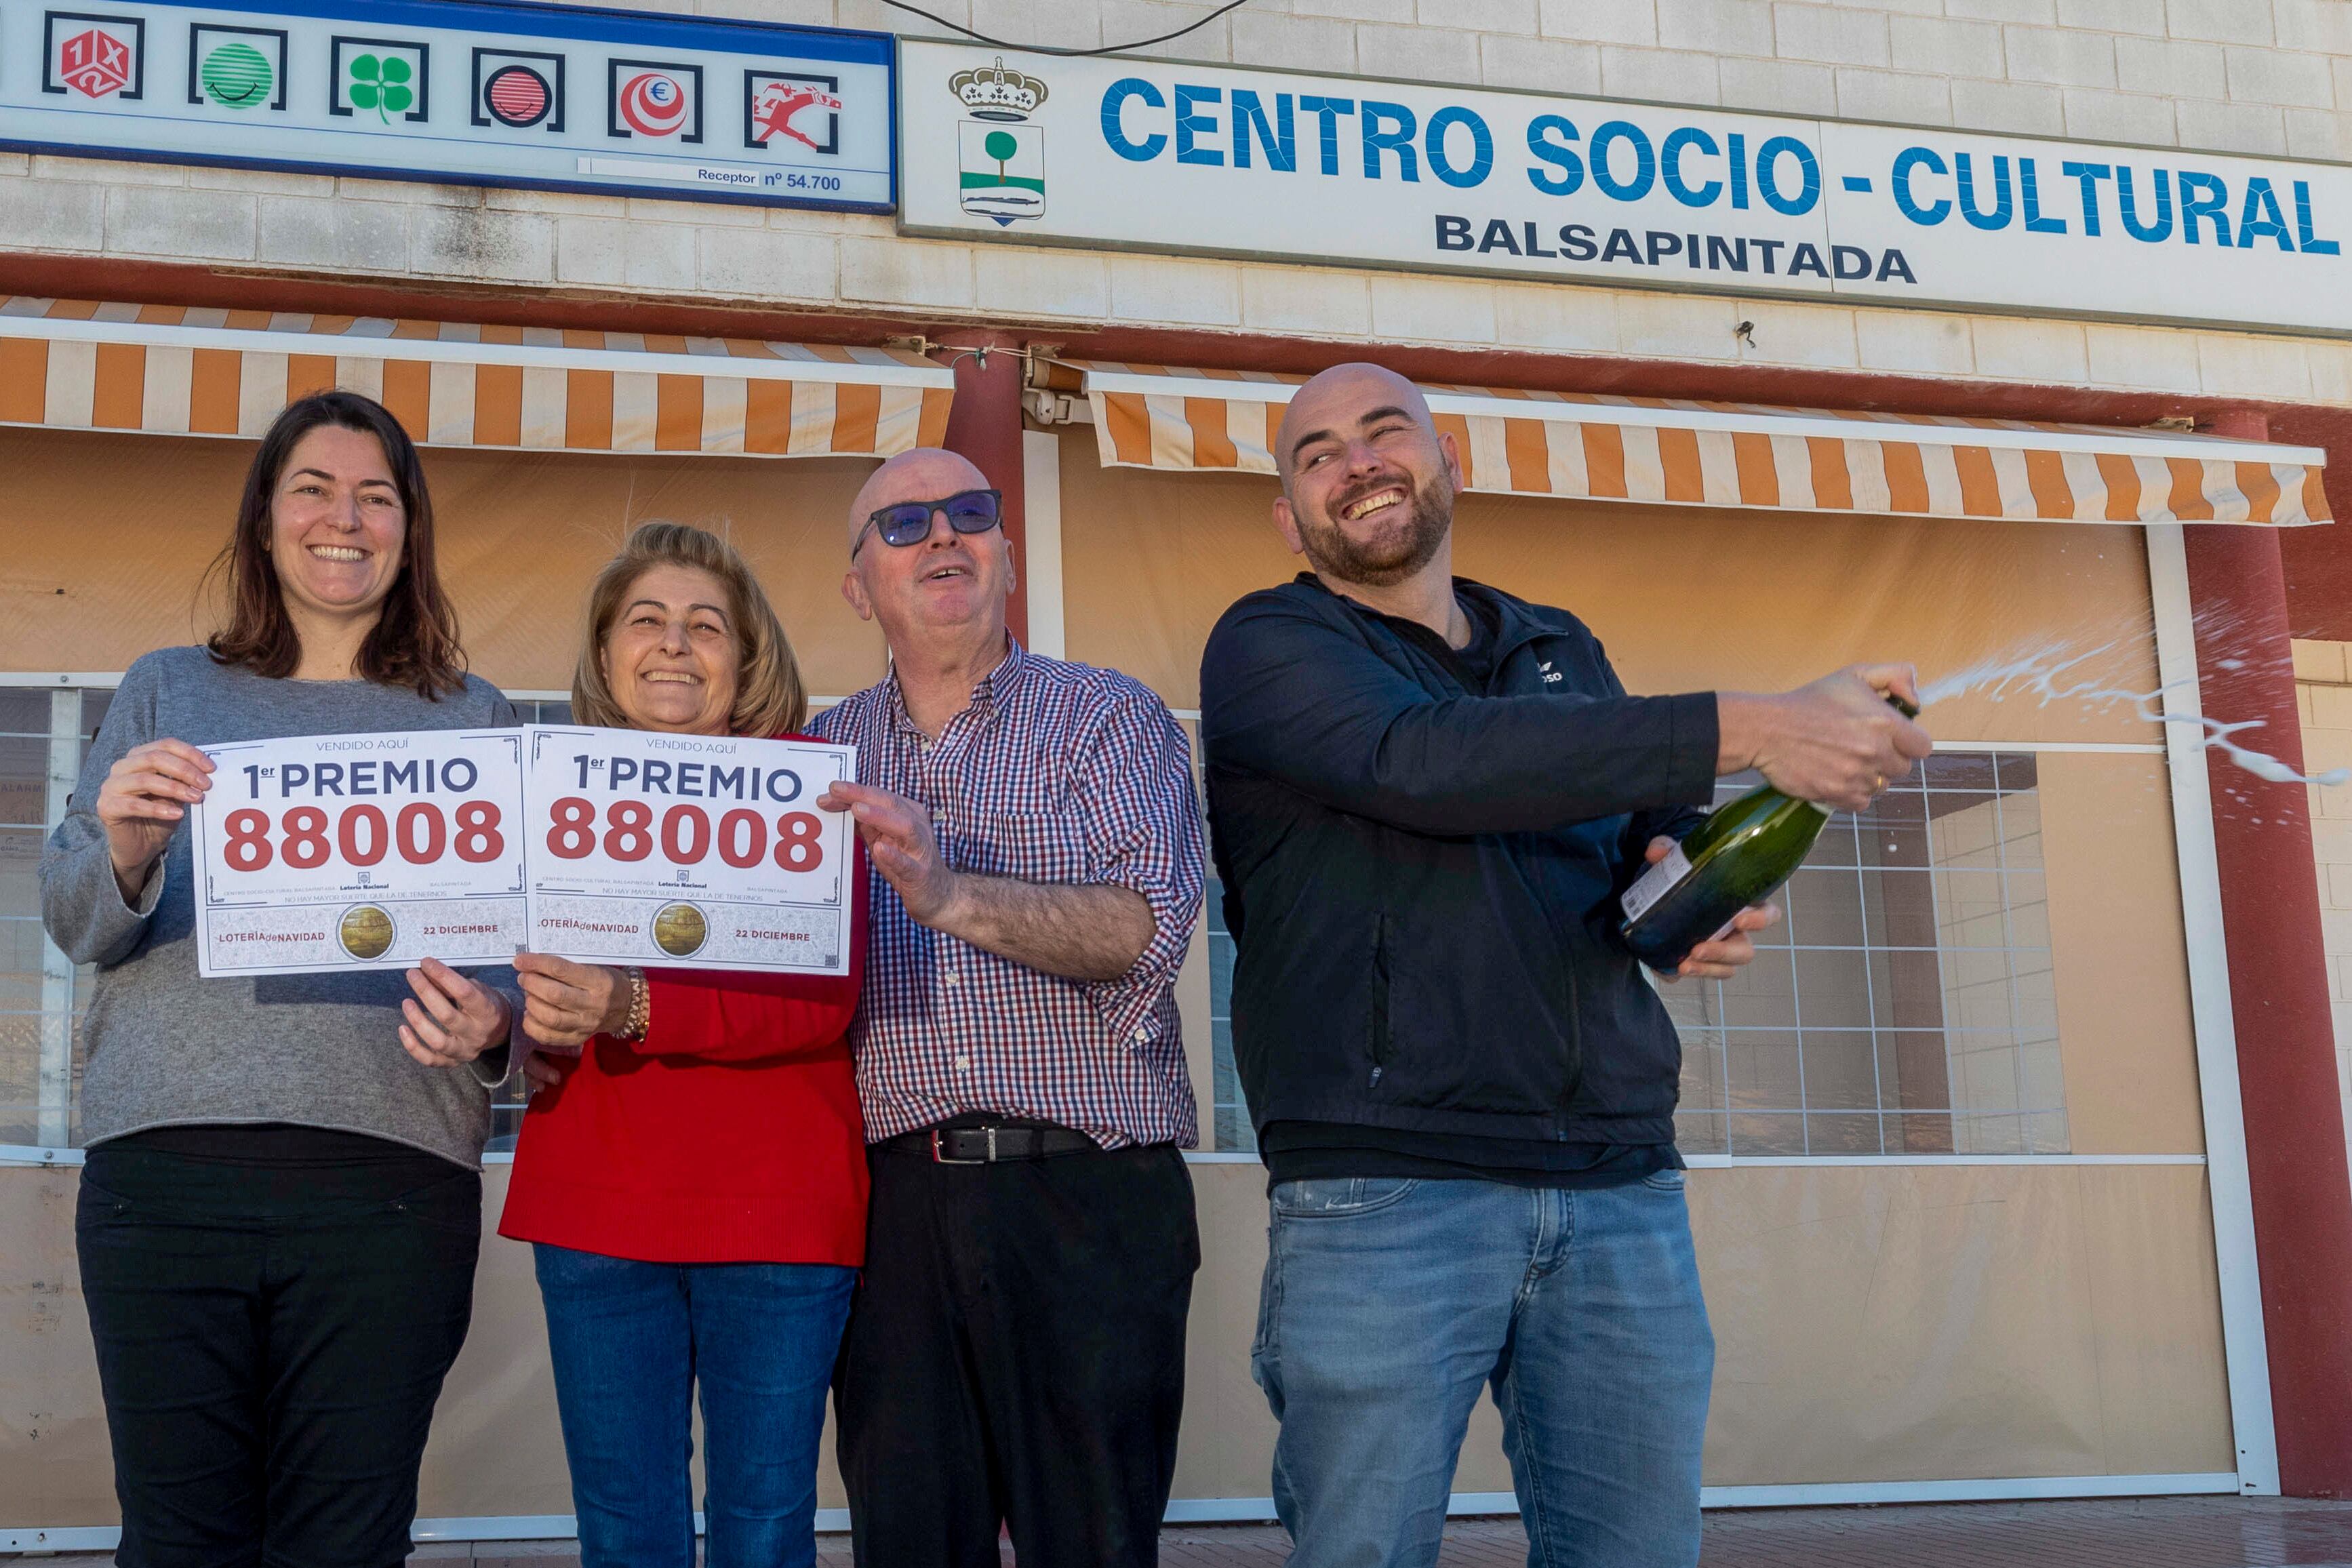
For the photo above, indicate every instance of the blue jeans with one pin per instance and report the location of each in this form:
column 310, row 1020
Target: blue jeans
column 1389, row 1302
column 630, row 1340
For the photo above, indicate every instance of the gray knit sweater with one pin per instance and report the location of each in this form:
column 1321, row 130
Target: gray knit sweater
column 168, row 1048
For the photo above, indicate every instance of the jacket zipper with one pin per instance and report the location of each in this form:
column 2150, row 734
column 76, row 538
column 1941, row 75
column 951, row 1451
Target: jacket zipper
column 1380, row 1044
column 1575, row 1063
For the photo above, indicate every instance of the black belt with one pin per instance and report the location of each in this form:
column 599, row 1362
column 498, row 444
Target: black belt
column 989, row 1145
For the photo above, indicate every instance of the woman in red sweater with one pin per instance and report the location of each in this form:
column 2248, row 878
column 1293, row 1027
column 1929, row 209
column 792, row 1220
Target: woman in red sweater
column 694, row 1178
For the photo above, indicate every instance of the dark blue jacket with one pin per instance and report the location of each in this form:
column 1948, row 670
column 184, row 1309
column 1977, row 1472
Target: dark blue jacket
column 1422, row 880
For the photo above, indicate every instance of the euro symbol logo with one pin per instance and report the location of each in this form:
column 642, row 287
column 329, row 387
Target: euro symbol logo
column 654, row 105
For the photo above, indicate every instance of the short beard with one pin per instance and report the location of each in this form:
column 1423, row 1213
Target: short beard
column 1393, row 558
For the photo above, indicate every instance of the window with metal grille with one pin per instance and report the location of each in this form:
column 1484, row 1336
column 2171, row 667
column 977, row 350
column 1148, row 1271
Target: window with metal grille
column 1903, row 1006
column 47, row 724
column 1232, row 1129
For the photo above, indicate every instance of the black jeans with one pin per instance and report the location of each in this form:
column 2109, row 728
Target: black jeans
column 271, row 1337
column 1016, row 1353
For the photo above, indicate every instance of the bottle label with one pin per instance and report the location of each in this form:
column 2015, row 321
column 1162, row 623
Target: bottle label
column 1655, row 884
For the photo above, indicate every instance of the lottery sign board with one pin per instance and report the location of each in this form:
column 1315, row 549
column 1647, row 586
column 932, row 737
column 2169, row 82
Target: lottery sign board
column 343, row 852
column 480, row 91
column 704, row 850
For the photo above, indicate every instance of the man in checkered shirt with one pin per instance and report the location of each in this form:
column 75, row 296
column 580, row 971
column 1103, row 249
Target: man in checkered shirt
column 1015, row 1355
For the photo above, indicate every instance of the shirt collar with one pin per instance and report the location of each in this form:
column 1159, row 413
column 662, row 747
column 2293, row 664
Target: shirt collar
column 994, row 687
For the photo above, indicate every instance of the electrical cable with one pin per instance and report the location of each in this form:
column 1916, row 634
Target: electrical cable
column 1049, row 49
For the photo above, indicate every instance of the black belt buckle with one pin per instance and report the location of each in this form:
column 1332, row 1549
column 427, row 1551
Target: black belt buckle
column 940, row 1156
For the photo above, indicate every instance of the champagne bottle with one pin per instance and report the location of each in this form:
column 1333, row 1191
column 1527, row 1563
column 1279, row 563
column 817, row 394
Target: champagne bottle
column 1745, row 849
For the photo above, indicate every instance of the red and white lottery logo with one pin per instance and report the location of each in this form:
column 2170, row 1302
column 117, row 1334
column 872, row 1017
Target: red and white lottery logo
column 652, row 103
column 778, row 101
column 94, row 64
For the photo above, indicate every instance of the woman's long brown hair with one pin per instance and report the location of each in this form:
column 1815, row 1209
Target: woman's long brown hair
column 414, row 642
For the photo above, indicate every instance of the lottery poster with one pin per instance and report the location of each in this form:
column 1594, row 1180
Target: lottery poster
column 345, row 852
column 706, row 851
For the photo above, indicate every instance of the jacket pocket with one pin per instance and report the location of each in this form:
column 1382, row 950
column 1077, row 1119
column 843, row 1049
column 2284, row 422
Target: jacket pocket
column 1460, row 1025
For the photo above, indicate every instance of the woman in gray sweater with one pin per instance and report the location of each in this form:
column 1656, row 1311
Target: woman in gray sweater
column 282, row 1200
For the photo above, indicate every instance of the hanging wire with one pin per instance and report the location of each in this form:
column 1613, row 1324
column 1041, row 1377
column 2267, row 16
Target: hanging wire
column 1049, row 49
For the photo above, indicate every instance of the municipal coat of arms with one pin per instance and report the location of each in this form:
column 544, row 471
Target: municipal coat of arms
column 1004, row 156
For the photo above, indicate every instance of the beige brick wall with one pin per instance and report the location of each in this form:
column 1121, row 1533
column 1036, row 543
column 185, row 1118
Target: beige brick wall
column 2323, row 673
column 2239, row 76
column 2257, row 76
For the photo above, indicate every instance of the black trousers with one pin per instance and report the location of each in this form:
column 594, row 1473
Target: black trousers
column 1015, row 1355
column 270, row 1343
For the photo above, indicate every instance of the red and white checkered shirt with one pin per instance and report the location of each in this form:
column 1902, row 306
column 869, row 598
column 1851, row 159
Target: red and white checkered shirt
column 1056, row 773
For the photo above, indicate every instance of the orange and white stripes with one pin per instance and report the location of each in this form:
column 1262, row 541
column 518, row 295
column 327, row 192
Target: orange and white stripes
column 171, row 370
column 1682, row 452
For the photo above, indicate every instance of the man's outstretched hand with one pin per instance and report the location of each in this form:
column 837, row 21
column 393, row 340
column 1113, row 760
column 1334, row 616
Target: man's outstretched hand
column 1081, row 931
column 1838, row 742
column 900, row 843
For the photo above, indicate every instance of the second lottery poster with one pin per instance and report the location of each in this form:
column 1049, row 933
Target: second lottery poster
column 700, row 851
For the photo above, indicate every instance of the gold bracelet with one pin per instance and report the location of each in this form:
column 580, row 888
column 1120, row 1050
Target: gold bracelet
column 641, row 1001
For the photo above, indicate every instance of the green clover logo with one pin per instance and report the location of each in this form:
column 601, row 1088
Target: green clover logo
column 380, row 84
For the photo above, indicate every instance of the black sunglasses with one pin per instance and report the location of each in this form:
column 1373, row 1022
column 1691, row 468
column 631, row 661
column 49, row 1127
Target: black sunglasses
column 909, row 522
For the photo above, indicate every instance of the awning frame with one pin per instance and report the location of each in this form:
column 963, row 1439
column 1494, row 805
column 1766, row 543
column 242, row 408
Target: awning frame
column 384, row 344
column 1661, row 451
column 208, row 371
column 1944, row 429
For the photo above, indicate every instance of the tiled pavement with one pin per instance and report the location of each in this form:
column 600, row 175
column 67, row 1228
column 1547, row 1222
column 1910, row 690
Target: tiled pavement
column 2140, row 1532
column 2156, row 1532
column 2150, row 1533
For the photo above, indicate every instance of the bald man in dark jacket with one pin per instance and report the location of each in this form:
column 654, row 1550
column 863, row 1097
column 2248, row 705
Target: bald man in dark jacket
column 1426, row 797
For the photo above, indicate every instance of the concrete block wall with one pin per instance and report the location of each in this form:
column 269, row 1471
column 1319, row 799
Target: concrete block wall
column 2251, row 75
column 2239, row 76
column 2323, row 676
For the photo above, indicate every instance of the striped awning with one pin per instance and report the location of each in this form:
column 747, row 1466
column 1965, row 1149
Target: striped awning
column 1679, row 452
column 171, row 370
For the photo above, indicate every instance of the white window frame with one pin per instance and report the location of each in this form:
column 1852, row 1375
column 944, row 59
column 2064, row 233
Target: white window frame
column 2245, row 1345
column 55, row 1117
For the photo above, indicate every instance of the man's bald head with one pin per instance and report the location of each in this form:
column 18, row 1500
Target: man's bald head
column 1367, row 480
column 945, row 589
column 924, row 473
column 1341, row 401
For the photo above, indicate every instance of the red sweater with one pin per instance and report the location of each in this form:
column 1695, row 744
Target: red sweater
column 731, row 1133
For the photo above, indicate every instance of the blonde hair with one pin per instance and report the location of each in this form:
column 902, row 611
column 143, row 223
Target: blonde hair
column 769, row 698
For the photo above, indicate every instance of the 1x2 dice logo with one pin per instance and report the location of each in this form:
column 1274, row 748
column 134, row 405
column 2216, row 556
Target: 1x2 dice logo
column 518, row 89
column 656, row 99
column 382, row 81
column 97, row 57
